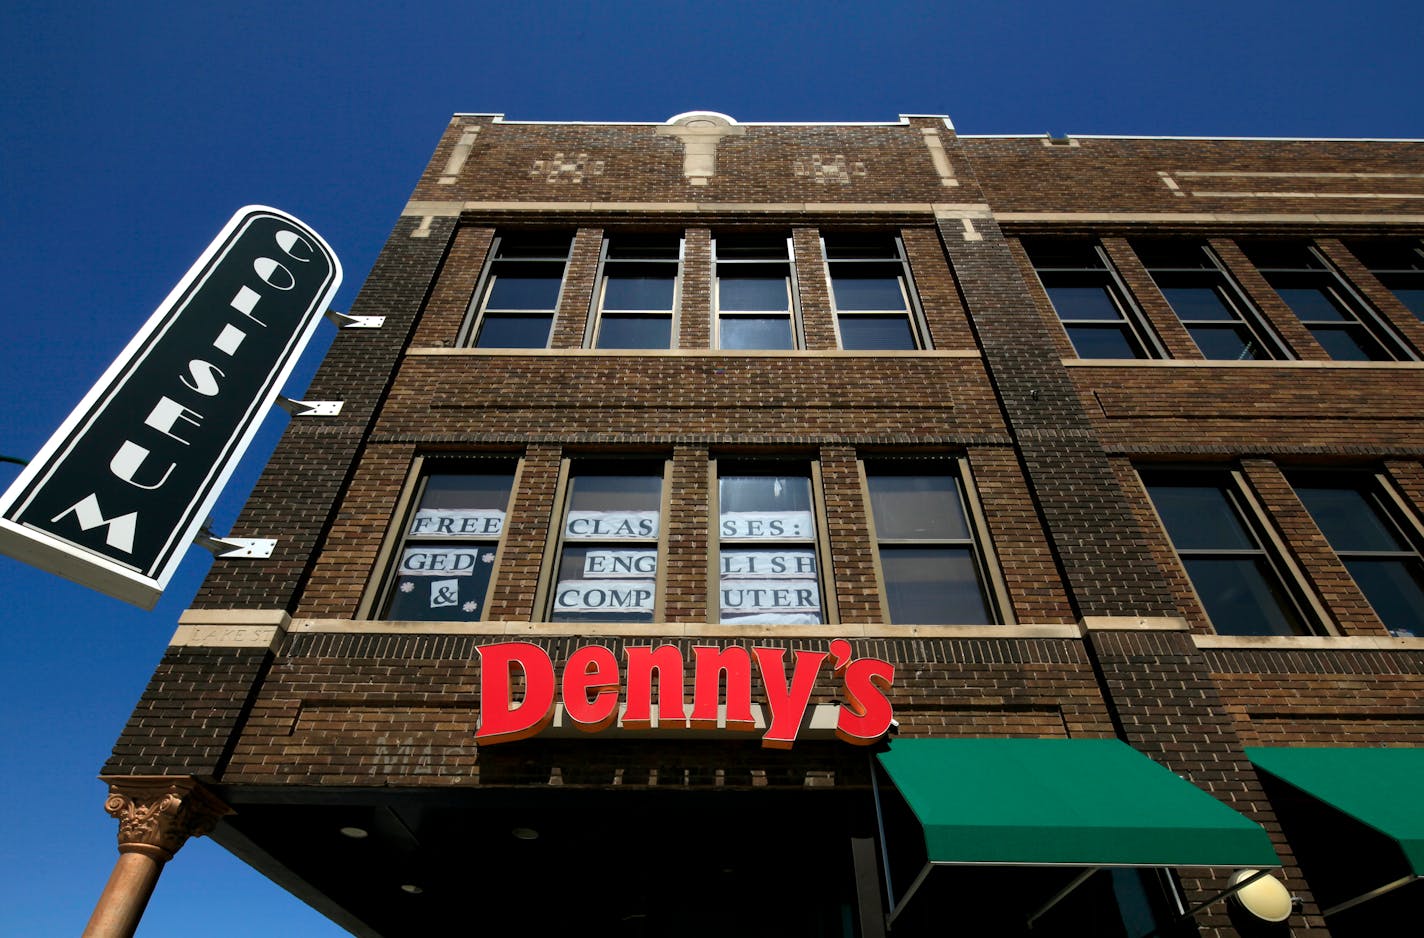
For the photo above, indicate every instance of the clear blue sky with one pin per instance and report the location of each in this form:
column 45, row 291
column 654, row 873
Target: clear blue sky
column 131, row 131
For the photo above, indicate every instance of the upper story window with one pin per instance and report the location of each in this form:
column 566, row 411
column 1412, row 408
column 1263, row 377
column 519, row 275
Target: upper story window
column 1338, row 319
column 768, row 557
column 1090, row 299
column 931, row 564
column 1217, row 536
column 521, row 290
column 446, row 555
column 871, row 290
column 1366, row 529
column 609, row 543
column 754, row 297
column 638, row 292
column 1213, row 309
column 1398, row 264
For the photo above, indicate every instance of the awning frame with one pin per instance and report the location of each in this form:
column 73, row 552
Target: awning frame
column 1086, row 872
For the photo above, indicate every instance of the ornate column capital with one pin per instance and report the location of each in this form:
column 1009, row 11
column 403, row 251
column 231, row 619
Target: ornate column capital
column 158, row 813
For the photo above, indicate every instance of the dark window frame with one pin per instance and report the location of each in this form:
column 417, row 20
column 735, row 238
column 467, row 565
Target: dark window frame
column 733, row 465
column 792, row 312
column 610, row 260
column 993, row 591
column 570, row 469
column 1213, row 275
column 1393, row 277
column 1360, row 322
column 1131, row 323
column 1283, row 578
column 1391, row 512
column 911, row 312
column 480, row 308
column 378, row 597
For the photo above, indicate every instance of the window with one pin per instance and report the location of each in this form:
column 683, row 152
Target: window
column 1362, row 524
column 521, row 290
column 872, row 292
column 609, row 543
column 1339, row 320
column 638, row 294
column 1090, row 300
column 1399, row 265
column 931, row 567
column 1215, row 313
column 768, row 556
column 446, row 556
column 754, row 296
column 1211, row 526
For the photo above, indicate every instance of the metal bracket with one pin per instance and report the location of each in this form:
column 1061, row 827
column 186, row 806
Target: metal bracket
column 252, row 548
column 344, row 321
column 309, row 408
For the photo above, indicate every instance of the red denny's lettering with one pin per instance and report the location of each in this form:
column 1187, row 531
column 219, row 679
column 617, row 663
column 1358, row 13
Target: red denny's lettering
column 593, row 683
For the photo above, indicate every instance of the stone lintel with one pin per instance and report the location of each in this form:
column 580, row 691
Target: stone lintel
column 231, row 628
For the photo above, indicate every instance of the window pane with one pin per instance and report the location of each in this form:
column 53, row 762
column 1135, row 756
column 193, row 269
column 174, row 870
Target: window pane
column 917, row 506
column 641, row 287
column 621, row 331
column 933, row 586
column 1172, row 253
column 1227, row 343
column 1240, row 596
column 535, row 244
column 614, row 492
column 1349, row 519
column 756, row 332
column 526, row 286
column 1411, row 296
column 1203, row 302
column 652, row 247
column 514, row 331
column 872, row 333
column 1061, row 253
column 1075, row 303
column 441, row 582
column 867, row 287
column 739, row 493
column 753, row 288
column 1294, row 255
column 771, row 586
column 1313, row 304
column 752, row 247
column 1350, row 344
column 1388, row 255
column 1395, row 588
column 1104, row 342
column 861, row 246
column 1199, row 517
column 468, row 490
column 605, row 584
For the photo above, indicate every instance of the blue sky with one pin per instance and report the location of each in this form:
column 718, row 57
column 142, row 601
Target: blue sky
column 132, row 131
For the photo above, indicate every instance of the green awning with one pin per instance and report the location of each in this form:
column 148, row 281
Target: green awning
column 1378, row 787
column 1065, row 802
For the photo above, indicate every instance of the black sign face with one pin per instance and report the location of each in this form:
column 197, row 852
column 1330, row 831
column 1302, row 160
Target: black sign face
column 117, row 494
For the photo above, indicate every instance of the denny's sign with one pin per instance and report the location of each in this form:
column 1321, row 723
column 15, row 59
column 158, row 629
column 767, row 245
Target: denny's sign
column 598, row 691
column 115, row 497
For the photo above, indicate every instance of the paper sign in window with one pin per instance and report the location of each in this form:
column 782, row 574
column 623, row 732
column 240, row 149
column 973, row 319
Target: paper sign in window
column 768, row 564
column 611, row 525
column 458, row 522
column 633, row 564
column 768, row 525
column 634, row 596
column 444, row 561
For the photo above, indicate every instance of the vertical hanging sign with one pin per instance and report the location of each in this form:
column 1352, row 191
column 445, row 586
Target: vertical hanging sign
column 115, row 497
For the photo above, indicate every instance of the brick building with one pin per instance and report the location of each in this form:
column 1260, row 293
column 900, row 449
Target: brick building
column 1109, row 447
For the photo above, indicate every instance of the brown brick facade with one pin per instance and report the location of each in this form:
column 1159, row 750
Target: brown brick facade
column 1103, row 632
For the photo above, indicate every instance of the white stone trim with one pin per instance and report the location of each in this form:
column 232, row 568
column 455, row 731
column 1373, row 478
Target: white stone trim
column 231, row 628
column 1134, row 624
column 675, row 630
column 1304, row 642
